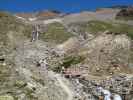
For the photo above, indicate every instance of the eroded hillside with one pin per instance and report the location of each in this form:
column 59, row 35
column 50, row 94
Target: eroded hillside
column 67, row 59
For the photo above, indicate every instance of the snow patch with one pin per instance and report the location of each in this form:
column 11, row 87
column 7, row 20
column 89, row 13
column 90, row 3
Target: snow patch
column 32, row 19
column 49, row 21
column 20, row 17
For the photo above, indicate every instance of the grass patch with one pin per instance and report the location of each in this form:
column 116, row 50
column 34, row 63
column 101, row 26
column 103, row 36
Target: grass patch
column 56, row 33
column 97, row 26
column 5, row 73
column 6, row 97
column 126, row 18
column 10, row 26
column 10, row 23
column 100, row 26
column 124, row 29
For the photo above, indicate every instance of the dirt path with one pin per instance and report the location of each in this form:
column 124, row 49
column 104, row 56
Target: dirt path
column 65, row 87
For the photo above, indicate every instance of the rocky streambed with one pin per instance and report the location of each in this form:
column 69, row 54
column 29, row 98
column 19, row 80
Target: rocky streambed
column 118, row 87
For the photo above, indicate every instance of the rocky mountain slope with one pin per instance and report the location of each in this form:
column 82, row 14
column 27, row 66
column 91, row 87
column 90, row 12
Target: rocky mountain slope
column 125, row 13
column 41, row 15
column 79, row 56
column 21, row 78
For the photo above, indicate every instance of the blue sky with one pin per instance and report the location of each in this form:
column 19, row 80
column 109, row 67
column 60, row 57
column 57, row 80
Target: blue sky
column 61, row 5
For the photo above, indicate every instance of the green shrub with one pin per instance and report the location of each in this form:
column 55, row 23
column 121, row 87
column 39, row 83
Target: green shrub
column 6, row 97
column 67, row 62
column 72, row 60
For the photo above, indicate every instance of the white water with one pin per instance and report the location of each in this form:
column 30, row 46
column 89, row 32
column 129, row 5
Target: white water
column 117, row 97
column 107, row 94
